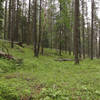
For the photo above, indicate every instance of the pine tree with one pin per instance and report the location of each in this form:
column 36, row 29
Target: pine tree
column 76, row 32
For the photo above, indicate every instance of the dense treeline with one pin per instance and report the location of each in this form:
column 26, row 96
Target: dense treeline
column 57, row 24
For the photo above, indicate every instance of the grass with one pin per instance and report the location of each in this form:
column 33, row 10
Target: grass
column 44, row 78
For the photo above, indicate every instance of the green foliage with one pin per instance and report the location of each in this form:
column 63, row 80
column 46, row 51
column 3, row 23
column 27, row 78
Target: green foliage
column 47, row 79
column 52, row 94
column 7, row 93
column 8, row 66
column 65, row 13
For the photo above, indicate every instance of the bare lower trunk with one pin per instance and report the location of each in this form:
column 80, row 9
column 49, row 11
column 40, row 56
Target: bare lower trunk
column 76, row 32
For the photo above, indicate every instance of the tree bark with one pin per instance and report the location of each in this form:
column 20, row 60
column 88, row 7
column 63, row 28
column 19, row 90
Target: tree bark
column 40, row 31
column 17, row 23
column 92, row 3
column 35, row 29
column 9, row 21
column 12, row 23
column 5, row 21
column 76, row 32
column 83, row 23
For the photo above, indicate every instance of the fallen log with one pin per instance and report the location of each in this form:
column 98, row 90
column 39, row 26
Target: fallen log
column 7, row 56
column 64, row 60
column 17, row 43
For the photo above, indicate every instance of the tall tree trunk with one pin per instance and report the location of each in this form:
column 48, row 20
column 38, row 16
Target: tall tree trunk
column 9, row 21
column 87, row 30
column 99, row 40
column 76, row 32
column 60, row 33
column 12, row 23
column 79, row 42
column 60, row 45
column 92, row 3
column 17, row 23
column 5, row 21
column 83, row 23
column 22, row 28
column 35, row 29
column 40, row 31
column 96, row 46
column 29, row 26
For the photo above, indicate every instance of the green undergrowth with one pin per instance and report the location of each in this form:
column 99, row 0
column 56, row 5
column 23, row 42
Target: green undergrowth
column 44, row 78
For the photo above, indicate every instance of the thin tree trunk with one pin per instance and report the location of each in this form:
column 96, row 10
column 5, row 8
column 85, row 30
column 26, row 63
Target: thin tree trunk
column 17, row 22
column 35, row 29
column 60, row 34
column 29, row 29
column 99, row 40
column 5, row 21
column 40, row 31
column 83, row 23
column 9, row 21
column 92, row 29
column 60, row 45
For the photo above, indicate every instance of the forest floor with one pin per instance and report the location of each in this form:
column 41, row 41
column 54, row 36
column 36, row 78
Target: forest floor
column 44, row 78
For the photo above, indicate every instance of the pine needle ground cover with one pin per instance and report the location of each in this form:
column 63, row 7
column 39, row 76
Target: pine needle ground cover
column 44, row 78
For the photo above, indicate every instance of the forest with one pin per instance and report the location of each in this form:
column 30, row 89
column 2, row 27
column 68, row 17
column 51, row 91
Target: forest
column 49, row 49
